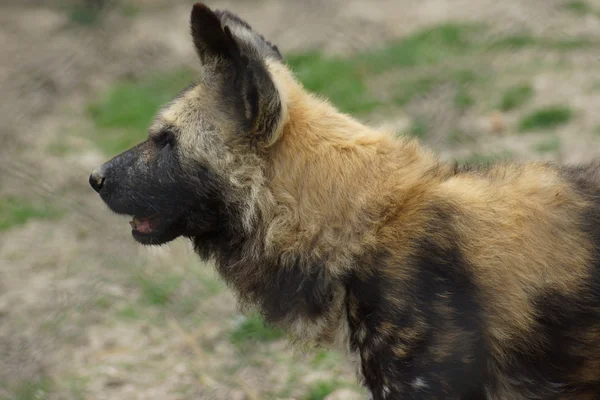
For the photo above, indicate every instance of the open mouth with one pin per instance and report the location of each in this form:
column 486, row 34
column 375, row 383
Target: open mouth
column 155, row 229
column 147, row 225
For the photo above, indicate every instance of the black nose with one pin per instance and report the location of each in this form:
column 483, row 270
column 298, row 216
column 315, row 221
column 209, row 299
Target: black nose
column 97, row 180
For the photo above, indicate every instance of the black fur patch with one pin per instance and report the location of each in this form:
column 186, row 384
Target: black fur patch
column 420, row 326
column 283, row 291
column 306, row 292
column 207, row 33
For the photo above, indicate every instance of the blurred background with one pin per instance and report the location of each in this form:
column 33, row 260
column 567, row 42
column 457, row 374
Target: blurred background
column 86, row 313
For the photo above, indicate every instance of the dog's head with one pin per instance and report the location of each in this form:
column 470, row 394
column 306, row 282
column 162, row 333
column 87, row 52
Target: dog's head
column 201, row 159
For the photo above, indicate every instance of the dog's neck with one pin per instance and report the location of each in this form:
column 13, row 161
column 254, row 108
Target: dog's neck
column 330, row 183
column 327, row 178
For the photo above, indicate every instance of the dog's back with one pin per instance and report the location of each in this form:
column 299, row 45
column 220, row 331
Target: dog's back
column 493, row 290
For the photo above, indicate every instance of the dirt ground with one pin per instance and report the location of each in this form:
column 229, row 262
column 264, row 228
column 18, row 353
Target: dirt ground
column 86, row 313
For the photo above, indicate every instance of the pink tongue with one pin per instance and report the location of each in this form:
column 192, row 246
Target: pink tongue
column 144, row 226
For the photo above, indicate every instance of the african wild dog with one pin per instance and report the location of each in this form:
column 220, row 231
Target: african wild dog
column 440, row 281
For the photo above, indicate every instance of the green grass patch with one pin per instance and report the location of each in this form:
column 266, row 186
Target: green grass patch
column 254, row 329
column 103, row 303
column 16, row 211
column 408, row 89
column 84, row 14
column 320, row 390
column 76, row 387
column 89, row 13
column 34, row 390
column 463, row 99
column 341, row 81
column 129, row 10
column 519, row 41
column 514, row 41
column 419, row 128
column 465, row 76
column 158, row 290
column 594, row 86
column 344, row 80
column 463, row 79
column 515, row 97
column 458, row 136
column 428, row 47
column 546, row 118
column 324, row 359
column 579, row 7
column 124, row 114
column 58, row 147
column 548, row 146
column 128, row 312
column 210, row 285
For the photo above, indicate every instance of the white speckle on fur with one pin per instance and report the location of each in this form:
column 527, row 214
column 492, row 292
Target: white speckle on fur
column 361, row 333
column 419, row 383
column 378, row 342
column 385, row 391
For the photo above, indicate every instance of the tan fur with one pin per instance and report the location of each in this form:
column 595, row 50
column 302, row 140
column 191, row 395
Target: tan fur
column 521, row 238
column 317, row 173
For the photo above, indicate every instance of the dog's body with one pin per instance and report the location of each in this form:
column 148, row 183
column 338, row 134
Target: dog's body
column 439, row 281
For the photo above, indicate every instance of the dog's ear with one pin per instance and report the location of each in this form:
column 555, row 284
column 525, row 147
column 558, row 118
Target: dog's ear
column 211, row 40
column 247, row 87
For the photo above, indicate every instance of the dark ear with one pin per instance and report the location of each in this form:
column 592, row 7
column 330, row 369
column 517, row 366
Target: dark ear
column 210, row 39
column 247, row 86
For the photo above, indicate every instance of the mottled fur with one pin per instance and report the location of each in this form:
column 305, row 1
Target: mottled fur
column 439, row 281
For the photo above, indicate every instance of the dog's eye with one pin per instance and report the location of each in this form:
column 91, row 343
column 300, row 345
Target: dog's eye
column 163, row 138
